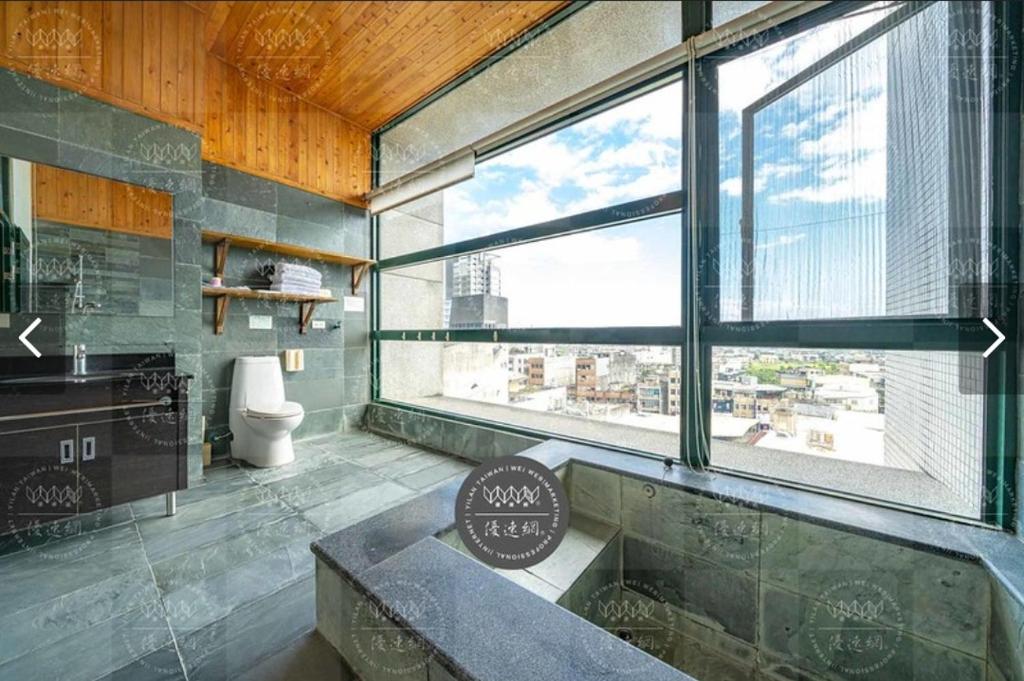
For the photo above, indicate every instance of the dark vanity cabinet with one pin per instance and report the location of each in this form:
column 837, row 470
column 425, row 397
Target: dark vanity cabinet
column 71, row 445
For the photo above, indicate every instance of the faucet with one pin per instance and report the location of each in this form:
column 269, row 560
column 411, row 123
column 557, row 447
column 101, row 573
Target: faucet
column 78, row 368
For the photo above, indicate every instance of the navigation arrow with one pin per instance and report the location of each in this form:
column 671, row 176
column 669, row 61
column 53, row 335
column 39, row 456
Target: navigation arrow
column 999, row 338
column 24, row 337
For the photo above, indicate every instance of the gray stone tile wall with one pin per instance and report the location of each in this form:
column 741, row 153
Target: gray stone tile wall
column 334, row 387
column 47, row 124
column 754, row 595
column 465, row 440
column 43, row 123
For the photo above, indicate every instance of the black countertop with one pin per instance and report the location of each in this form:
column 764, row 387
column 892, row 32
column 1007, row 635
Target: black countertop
column 57, row 370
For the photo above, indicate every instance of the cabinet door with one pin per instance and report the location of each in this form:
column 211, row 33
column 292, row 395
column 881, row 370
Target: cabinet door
column 38, row 477
column 129, row 459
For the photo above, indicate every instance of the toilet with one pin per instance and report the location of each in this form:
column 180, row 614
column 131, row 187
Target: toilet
column 261, row 419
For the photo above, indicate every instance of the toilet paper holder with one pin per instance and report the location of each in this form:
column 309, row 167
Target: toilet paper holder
column 294, row 360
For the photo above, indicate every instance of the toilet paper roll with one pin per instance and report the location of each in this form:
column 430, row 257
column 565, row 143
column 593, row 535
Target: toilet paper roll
column 293, row 360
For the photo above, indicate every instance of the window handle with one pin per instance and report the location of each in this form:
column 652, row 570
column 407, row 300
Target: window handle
column 88, row 448
column 67, row 451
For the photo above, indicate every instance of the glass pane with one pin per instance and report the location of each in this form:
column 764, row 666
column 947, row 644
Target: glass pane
column 862, row 177
column 727, row 10
column 625, row 396
column 628, row 152
column 882, row 424
column 619, row 276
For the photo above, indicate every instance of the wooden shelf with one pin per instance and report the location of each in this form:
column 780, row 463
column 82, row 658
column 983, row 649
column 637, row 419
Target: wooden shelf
column 228, row 292
column 223, row 296
column 223, row 240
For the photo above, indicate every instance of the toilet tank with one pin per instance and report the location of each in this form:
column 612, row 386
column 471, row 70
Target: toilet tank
column 257, row 381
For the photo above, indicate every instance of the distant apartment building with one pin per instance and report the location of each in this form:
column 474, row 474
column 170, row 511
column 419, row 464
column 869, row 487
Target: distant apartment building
column 675, row 394
column 622, row 368
column 852, row 393
column 473, row 297
column 549, row 372
column 657, row 355
column 479, row 311
column 473, row 274
column 594, row 381
column 747, row 400
column 593, row 373
column 652, row 397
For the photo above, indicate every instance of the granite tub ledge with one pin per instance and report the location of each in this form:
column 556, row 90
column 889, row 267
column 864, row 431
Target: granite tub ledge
column 355, row 549
column 487, row 628
column 1001, row 553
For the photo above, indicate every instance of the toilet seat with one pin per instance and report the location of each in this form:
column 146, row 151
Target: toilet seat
column 282, row 411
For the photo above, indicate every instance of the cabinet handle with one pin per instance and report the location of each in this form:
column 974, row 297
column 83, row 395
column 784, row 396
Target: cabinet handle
column 67, row 451
column 88, row 448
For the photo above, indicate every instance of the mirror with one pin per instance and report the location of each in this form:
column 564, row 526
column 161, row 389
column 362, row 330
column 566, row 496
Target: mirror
column 75, row 243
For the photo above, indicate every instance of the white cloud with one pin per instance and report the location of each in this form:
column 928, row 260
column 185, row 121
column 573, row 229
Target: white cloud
column 578, row 281
column 732, row 186
column 848, row 159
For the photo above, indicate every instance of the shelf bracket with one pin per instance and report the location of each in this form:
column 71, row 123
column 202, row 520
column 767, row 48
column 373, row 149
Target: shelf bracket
column 306, row 315
column 220, row 314
column 357, row 276
column 220, row 257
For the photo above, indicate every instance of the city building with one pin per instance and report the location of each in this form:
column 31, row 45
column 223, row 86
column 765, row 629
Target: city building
column 547, row 371
column 652, row 397
column 473, row 297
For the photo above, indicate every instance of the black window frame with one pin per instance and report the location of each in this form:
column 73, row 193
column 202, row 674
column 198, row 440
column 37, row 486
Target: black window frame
column 701, row 328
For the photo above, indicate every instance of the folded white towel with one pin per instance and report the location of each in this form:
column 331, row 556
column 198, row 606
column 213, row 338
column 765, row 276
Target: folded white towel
column 298, row 270
column 292, row 288
column 291, row 278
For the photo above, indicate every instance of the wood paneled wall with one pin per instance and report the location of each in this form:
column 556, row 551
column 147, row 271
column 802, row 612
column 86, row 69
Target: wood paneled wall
column 147, row 57
column 83, row 200
column 259, row 128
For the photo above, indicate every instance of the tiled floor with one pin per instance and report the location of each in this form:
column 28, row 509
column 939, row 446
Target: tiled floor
column 222, row 590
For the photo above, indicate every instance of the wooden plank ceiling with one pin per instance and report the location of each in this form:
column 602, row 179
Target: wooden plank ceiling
column 284, row 90
column 365, row 61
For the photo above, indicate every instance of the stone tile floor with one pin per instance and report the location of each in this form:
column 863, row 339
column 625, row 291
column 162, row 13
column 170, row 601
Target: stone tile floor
column 222, row 590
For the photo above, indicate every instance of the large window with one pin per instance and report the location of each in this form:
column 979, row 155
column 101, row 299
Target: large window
column 857, row 251
column 816, row 315
column 576, row 234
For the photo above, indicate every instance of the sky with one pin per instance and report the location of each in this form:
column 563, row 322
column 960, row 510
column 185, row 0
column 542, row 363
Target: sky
column 621, row 276
column 820, row 165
